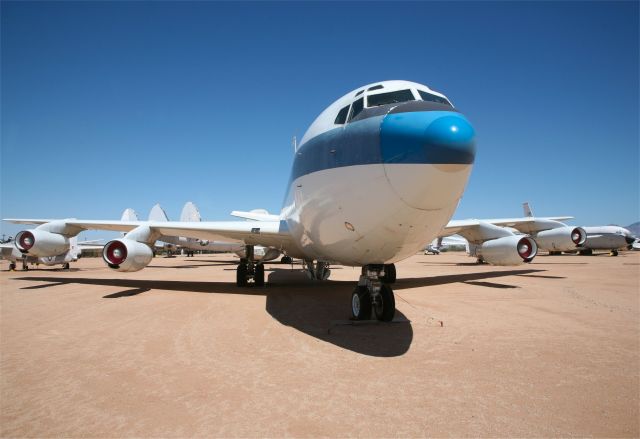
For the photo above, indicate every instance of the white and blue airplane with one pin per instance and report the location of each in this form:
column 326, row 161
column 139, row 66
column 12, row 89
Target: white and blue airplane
column 377, row 174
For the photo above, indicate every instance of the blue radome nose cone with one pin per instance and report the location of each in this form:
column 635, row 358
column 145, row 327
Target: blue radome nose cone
column 437, row 137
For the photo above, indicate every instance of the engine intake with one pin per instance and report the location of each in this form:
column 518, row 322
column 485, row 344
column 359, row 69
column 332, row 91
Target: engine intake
column 127, row 255
column 41, row 243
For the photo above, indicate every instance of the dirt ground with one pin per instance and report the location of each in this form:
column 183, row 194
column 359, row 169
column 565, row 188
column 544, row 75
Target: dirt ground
column 546, row 349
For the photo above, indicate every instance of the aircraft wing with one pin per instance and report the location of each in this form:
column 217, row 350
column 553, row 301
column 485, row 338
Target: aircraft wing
column 255, row 216
column 267, row 233
column 524, row 225
column 475, row 231
column 513, row 222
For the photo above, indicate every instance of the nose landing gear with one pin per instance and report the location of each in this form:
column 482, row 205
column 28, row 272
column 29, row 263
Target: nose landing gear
column 372, row 294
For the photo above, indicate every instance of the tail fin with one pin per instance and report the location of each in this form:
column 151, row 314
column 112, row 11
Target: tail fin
column 190, row 213
column 129, row 215
column 157, row 213
column 527, row 210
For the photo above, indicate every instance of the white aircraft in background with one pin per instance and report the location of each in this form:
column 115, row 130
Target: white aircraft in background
column 190, row 213
column 377, row 174
column 610, row 238
column 9, row 252
column 443, row 243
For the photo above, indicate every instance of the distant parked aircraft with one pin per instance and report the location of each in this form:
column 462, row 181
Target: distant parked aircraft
column 610, row 238
column 190, row 213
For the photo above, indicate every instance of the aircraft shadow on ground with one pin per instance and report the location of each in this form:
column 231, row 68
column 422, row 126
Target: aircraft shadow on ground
column 319, row 309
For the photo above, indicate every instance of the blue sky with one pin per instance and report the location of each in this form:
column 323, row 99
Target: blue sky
column 107, row 105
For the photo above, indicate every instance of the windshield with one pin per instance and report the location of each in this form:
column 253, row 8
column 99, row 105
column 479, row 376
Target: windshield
column 389, row 98
column 433, row 98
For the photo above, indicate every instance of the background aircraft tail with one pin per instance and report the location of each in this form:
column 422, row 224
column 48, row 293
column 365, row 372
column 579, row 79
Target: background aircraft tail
column 527, row 210
column 157, row 213
column 190, row 213
column 129, row 215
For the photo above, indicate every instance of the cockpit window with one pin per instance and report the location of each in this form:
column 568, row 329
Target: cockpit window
column 342, row 116
column 389, row 98
column 356, row 108
column 359, row 93
column 433, row 98
column 375, row 87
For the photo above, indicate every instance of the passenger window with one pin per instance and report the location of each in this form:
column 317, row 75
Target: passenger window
column 356, row 108
column 433, row 98
column 342, row 116
column 389, row 98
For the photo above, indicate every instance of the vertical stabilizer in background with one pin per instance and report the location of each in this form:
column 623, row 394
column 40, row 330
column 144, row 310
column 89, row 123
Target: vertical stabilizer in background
column 129, row 215
column 157, row 213
column 190, row 213
column 527, row 210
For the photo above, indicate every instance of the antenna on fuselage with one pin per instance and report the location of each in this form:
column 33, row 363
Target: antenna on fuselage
column 294, row 142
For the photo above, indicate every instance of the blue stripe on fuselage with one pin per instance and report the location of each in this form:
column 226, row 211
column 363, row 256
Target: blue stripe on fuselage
column 412, row 137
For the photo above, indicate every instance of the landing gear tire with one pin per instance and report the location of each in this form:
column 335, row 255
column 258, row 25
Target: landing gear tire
column 385, row 304
column 241, row 275
column 286, row 260
column 12, row 266
column 65, row 266
column 614, row 253
column 389, row 274
column 258, row 276
column 361, row 304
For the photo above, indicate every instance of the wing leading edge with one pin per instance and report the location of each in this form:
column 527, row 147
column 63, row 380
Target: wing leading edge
column 267, row 233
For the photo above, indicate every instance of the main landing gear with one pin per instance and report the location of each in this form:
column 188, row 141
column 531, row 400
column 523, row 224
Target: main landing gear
column 12, row 266
column 373, row 295
column 248, row 270
column 318, row 270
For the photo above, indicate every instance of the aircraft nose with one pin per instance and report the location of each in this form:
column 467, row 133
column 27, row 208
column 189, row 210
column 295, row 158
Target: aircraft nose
column 422, row 150
column 630, row 239
column 428, row 137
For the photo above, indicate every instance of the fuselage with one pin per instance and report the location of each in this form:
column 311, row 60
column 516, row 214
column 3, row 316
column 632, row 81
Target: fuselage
column 379, row 173
column 608, row 238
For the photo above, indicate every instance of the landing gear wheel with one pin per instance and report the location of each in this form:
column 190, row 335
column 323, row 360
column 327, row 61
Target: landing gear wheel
column 286, row 260
column 65, row 266
column 12, row 266
column 241, row 275
column 614, row 252
column 258, row 276
column 389, row 274
column 361, row 304
column 385, row 304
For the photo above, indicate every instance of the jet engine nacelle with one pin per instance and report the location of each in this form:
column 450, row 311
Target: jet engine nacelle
column 561, row 239
column 41, row 243
column 127, row 255
column 266, row 253
column 509, row 250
